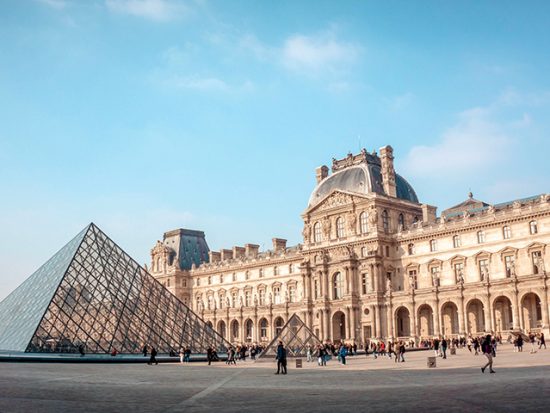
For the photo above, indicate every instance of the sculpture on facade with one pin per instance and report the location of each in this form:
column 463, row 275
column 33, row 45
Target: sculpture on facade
column 306, row 232
column 373, row 217
column 352, row 222
column 326, row 228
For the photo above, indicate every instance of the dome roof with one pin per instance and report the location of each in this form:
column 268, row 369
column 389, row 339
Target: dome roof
column 363, row 178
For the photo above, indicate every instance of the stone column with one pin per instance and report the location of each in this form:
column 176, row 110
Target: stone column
column 353, row 324
column 487, row 313
column 437, row 327
column 461, row 325
column 328, row 332
column 375, row 322
column 325, row 284
column 413, row 320
column 348, row 280
column 376, row 269
column 348, row 323
column 544, row 307
column 390, row 321
column 256, row 329
column 322, row 325
column 515, row 312
column 243, row 329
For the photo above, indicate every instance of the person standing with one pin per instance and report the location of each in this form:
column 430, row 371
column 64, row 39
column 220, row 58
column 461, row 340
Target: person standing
column 402, row 352
column 343, row 353
column 520, row 343
column 209, row 355
column 436, row 347
column 487, row 349
column 532, row 341
column 308, row 354
column 144, row 350
column 153, row 358
column 181, row 353
column 444, row 347
column 281, row 358
column 542, row 341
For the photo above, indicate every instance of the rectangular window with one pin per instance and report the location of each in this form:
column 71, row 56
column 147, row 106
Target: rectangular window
column 456, row 241
column 483, row 270
column 480, row 237
column 536, row 260
column 459, row 271
column 262, row 297
column 509, row 265
column 316, row 288
column 364, row 282
column 292, row 294
column 433, row 245
column 412, row 279
column 277, row 295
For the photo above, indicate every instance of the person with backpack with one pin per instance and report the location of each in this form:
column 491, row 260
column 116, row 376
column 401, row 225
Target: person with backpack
column 281, row 358
column 487, row 349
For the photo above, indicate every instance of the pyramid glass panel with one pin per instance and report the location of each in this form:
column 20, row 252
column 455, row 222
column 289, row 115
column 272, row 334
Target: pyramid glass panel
column 296, row 337
column 22, row 310
column 93, row 294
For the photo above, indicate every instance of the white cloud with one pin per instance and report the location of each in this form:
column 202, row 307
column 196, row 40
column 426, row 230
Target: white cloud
column 54, row 4
column 309, row 54
column 156, row 10
column 202, row 84
column 473, row 144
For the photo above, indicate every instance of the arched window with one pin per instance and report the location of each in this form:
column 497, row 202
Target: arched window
column 317, row 234
column 279, row 323
column 533, row 227
column 337, row 286
column 506, row 232
column 249, row 329
column 364, row 222
column 340, row 232
column 480, row 237
column 235, row 329
column 292, row 293
column 401, row 222
column 410, row 249
column 277, row 295
column 263, row 328
column 456, row 241
column 433, row 245
column 385, row 221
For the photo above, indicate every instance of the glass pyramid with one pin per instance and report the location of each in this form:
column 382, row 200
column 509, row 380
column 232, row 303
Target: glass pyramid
column 92, row 293
column 296, row 337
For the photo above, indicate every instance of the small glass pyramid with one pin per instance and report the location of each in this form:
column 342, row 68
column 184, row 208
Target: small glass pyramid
column 296, row 337
column 92, row 294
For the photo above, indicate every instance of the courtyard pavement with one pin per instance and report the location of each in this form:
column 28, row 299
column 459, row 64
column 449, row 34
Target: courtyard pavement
column 521, row 383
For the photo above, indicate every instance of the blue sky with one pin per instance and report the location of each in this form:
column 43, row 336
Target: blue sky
column 148, row 115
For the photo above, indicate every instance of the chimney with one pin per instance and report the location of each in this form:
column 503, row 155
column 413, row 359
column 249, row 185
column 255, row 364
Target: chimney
column 214, row 256
column 279, row 244
column 321, row 173
column 388, row 173
column 251, row 250
column 226, row 254
column 238, row 252
column 429, row 213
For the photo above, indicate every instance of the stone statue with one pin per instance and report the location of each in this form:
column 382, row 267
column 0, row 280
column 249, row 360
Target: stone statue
column 412, row 279
column 512, row 269
column 270, row 298
column 227, row 302
column 255, row 299
column 326, row 228
column 373, row 217
column 435, row 279
column 306, row 232
column 352, row 222
column 388, row 282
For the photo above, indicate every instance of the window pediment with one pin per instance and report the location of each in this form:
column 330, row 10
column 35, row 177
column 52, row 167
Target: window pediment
column 483, row 255
column 536, row 246
column 458, row 258
column 435, row 263
column 508, row 251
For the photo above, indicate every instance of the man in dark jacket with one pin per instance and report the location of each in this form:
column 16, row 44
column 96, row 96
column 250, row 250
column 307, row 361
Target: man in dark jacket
column 153, row 358
column 281, row 358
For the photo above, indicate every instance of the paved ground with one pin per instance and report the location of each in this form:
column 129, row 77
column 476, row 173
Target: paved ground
column 522, row 383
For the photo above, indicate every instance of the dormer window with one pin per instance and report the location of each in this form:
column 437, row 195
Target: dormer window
column 364, row 223
column 317, row 235
column 340, row 232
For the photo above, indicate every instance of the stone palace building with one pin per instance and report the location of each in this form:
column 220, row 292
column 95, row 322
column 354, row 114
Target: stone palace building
column 374, row 263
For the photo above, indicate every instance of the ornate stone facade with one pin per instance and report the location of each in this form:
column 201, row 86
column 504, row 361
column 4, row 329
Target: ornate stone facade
column 376, row 263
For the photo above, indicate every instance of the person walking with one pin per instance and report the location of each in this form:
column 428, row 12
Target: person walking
column 436, row 347
column 144, row 350
column 281, row 358
column 520, row 344
column 401, row 351
column 532, row 341
column 487, row 349
column 342, row 354
column 181, row 353
column 542, row 341
column 308, row 354
column 153, row 358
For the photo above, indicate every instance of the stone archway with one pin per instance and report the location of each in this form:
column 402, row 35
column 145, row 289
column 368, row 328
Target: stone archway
column 279, row 324
column 475, row 317
column 425, row 321
column 234, row 331
column 249, row 330
column 338, row 326
column 449, row 319
column 502, row 307
column 403, row 322
column 531, row 311
column 221, row 328
column 264, row 329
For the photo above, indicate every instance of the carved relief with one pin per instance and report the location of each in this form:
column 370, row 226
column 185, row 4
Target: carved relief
column 326, row 228
column 306, row 233
column 335, row 200
column 373, row 217
column 352, row 223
